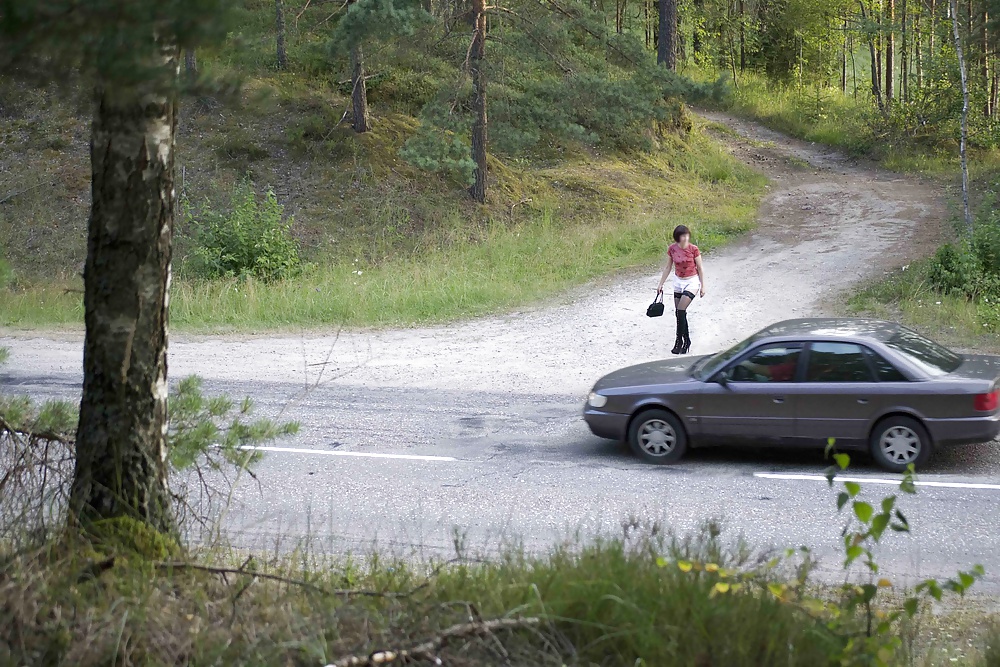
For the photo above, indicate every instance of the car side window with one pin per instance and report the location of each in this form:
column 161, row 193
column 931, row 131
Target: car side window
column 771, row 363
column 837, row 362
column 884, row 370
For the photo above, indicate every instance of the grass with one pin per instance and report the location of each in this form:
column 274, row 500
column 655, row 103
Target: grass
column 632, row 600
column 585, row 219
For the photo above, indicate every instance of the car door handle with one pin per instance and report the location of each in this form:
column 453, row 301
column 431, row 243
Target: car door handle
column 779, row 399
column 863, row 401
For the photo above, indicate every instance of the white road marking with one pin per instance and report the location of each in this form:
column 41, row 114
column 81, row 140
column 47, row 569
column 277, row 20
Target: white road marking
column 364, row 455
column 877, row 480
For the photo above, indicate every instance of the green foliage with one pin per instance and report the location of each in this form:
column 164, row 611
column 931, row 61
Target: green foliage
column 250, row 240
column 201, row 425
column 366, row 19
column 970, row 267
column 6, row 272
column 126, row 51
column 879, row 643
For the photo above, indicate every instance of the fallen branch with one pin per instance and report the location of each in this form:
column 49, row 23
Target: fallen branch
column 428, row 650
column 18, row 193
column 340, row 592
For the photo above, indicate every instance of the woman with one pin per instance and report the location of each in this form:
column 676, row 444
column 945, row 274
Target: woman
column 689, row 279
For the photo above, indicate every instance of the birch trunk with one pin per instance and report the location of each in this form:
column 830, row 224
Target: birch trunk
column 121, row 449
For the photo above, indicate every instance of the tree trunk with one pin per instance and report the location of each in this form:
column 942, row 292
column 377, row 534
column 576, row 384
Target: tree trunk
column 696, row 25
column 965, row 116
column 190, row 64
column 477, row 58
column 667, row 52
column 918, row 49
column 279, row 23
column 843, row 62
column 359, row 92
column 873, row 53
column 121, row 455
column 890, row 53
column 743, row 36
column 904, row 57
column 984, row 63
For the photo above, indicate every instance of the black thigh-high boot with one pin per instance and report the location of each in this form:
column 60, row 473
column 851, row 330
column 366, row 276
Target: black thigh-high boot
column 679, row 343
column 682, row 320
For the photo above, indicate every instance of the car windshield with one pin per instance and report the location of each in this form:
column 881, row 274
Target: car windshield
column 933, row 359
column 706, row 368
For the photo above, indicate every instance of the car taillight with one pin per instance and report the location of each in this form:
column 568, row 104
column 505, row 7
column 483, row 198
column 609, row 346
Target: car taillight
column 987, row 402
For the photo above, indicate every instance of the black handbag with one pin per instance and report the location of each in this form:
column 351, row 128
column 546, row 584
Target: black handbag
column 656, row 308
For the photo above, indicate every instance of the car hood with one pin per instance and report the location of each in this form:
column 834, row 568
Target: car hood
column 653, row 372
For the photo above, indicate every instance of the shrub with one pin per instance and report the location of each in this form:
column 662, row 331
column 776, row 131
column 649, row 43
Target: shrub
column 250, row 240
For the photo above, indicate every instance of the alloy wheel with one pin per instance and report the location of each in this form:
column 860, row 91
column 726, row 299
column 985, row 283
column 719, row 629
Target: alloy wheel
column 900, row 445
column 657, row 437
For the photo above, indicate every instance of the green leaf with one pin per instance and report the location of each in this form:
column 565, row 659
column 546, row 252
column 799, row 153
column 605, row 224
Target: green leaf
column 842, row 500
column 854, row 553
column 910, row 606
column 888, row 504
column 879, row 524
column 853, row 488
column 863, row 511
column 843, row 460
column 966, row 579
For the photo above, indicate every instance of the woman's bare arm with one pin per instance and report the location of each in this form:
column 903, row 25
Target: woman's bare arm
column 666, row 272
column 701, row 273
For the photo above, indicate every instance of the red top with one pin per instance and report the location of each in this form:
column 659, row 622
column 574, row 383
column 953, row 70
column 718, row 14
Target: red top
column 683, row 258
column 783, row 372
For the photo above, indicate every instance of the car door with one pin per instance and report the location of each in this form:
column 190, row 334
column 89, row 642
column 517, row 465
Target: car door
column 749, row 401
column 839, row 395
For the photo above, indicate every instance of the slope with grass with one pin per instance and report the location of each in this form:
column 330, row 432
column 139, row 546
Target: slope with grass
column 373, row 228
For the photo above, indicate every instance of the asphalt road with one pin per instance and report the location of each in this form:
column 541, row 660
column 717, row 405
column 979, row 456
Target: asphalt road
column 412, row 437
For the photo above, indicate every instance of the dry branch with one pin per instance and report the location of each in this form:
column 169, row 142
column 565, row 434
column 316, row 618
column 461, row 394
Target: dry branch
column 428, row 650
column 339, row 592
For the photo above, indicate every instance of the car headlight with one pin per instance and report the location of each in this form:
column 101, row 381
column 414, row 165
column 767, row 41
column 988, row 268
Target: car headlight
column 596, row 400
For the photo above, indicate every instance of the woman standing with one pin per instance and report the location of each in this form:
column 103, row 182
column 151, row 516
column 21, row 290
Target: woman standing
column 688, row 280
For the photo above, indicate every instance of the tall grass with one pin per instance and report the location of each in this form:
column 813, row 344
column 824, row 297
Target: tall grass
column 461, row 271
column 614, row 602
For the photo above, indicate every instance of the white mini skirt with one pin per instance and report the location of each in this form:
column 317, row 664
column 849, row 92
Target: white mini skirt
column 692, row 284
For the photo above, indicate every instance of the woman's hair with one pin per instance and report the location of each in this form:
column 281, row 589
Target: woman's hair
column 679, row 231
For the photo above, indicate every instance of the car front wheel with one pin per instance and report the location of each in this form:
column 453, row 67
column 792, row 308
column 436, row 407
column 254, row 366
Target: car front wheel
column 657, row 436
column 898, row 442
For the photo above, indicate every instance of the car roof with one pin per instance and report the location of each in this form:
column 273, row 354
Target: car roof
column 831, row 327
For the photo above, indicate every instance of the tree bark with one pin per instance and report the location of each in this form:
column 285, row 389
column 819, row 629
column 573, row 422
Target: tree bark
column 743, row 35
column 121, row 449
column 359, row 91
column 190, row 63
column 279, row 23
column 904, row 56
column 890, row 53
column 696, row 26
column 873, row 53
column 984, row 63
column 477, row 59
column 965, row 116
column 667, row 48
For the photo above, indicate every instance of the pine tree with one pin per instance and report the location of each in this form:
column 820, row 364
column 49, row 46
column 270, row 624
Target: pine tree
column 366, row 20
column 130, row 52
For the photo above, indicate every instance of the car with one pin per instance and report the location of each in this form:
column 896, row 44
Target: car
column 869, row 385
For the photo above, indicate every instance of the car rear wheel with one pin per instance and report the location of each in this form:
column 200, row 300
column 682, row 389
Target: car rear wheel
column 657, row 436
column 898, row 442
